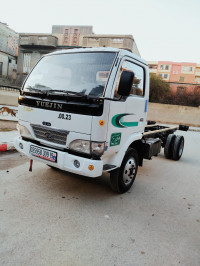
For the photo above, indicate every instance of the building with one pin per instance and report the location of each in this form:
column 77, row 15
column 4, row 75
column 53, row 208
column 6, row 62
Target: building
column 117, row 41
column 8, row 51
column 197, row 73
column 70, row 36
column 181, row 76
column 31, row 48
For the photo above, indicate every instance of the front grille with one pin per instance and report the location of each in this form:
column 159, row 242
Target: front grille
column 51, row 135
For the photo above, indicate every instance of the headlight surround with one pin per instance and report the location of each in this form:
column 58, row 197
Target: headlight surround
column 24, row 132
column 86, row 146
column 97, row 148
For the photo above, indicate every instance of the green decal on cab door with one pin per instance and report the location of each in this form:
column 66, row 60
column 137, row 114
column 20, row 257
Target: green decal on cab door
column 115, row 139
column 117, row 121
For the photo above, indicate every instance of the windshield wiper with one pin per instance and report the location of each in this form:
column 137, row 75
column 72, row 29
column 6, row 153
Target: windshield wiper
column 54, row 92
column 70, row 93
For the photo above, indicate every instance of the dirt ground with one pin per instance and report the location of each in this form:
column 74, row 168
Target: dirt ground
column 50, row 217
column 7, row 125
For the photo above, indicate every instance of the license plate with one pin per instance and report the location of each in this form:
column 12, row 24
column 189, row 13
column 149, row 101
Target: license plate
column 43, row 153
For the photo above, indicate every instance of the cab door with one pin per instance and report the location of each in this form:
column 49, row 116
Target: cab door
column 128, row 115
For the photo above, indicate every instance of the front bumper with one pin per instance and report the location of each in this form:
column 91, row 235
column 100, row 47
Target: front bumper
column 65, row 161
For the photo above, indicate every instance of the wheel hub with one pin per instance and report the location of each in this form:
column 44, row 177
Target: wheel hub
column 129, row 171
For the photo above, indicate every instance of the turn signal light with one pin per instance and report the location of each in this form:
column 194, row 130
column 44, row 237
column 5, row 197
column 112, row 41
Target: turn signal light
column 91, row 167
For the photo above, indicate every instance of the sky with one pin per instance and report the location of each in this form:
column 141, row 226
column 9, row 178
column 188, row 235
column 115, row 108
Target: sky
column 164, row 30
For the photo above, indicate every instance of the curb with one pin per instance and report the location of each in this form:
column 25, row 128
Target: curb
column 7, row 147
column 195, row 130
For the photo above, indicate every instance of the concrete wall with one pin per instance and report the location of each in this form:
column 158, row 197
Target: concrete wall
column 9, row 97
column 116, row 41
column 8, row 40
column 174, row 114
column 164, row 113
column 37, row 40
column 35, row 53
column 9, row 68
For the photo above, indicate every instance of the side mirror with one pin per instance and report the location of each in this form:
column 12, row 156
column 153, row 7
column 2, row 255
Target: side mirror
column 125, row 83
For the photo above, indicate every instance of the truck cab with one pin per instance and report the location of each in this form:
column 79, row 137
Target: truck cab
column 84, row 111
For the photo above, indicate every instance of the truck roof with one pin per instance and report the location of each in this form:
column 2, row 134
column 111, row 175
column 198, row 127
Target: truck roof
column 122, row 52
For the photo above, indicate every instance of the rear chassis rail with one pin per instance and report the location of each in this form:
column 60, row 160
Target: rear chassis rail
column 152, row 130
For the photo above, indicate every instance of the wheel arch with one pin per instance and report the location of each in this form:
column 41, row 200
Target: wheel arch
column 139, row 147
column 133, row 141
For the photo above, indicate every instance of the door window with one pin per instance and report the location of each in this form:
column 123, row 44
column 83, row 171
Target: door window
column 138, row 82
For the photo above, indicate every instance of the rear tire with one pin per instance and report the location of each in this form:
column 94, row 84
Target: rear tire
column 122, row 178
column 178, row 148
column 168, row 150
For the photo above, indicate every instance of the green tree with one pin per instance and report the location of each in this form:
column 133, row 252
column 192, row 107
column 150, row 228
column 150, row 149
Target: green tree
column 159, row 89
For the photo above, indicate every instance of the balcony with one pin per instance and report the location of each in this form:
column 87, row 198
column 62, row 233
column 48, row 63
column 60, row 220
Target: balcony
column 152, row 70
column 39, row 40
column 197, row 74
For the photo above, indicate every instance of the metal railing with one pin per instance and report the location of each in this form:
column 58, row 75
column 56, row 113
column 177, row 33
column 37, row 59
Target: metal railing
column 9, row 88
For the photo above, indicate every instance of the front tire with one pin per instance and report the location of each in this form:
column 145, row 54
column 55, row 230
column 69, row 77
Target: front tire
column 122, row 179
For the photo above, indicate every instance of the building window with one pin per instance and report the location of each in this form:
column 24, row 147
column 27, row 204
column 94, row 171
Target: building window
column 182, row 79
column 66, row 36
column 187, row 68
column 164, row 67
column 152, row 66
column 27, row 63
column 75, row 40
column 163, row 76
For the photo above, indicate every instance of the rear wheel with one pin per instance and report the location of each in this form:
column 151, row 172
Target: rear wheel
column 122, row 179
column 168, row 150
column 178, row 148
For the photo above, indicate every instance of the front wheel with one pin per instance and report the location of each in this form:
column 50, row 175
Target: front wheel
column 122, row 179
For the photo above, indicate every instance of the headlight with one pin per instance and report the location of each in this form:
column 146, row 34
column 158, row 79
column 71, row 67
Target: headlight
column 86, row 146
column 80, row 145
column 23, row 131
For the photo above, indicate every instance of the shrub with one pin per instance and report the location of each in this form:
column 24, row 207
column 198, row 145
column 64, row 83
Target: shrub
column 159, row 89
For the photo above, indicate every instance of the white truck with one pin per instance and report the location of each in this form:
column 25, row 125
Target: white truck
column 84, row 111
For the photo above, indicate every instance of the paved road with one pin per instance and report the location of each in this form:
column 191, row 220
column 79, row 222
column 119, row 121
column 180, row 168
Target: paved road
column 49, row 217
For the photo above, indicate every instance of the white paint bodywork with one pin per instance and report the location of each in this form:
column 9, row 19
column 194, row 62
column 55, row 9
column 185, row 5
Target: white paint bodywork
column 88, row 127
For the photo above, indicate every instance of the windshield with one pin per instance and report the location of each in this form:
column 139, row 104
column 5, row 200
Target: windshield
column 84, row 73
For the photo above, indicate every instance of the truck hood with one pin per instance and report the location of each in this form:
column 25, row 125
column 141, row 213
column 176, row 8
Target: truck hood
column 55, row 119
